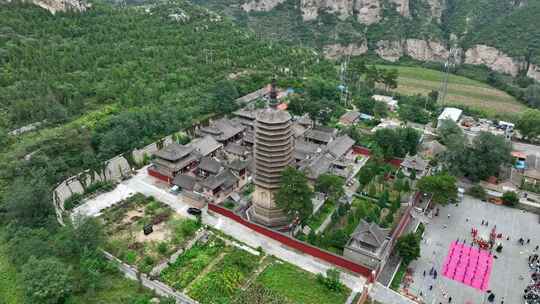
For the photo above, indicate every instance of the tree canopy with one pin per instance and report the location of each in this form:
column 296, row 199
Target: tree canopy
column 294, row 195
column 397, row 142
column 331, row 185
column 442, row 187
column 529, row 124
column 408, row 247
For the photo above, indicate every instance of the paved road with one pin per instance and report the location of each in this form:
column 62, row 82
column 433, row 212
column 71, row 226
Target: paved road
column 528, row 148
column 385, row 295
column 139, row 183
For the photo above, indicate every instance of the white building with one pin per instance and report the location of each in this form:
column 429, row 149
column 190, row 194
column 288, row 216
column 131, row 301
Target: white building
column 450, row 113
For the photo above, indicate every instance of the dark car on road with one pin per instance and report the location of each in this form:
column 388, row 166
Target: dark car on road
column 194, row 211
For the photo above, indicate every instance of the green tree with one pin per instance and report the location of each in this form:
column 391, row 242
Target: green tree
column 448, row 128
column 224, row 94
column 477, row 191
column 408, row 247
column 389, row 78
column 28, row 201
column 441, row 186
column 47, row 281
column 529, row 124
column 331, row 185
column 510, row 198
column 380, row 110
column 294, row 195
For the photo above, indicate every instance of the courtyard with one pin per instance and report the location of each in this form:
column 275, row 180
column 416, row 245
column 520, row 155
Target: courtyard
column 456, row 222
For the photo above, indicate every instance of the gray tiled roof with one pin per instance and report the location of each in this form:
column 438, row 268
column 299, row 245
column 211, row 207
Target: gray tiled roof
column 349, row 117
column 174, row 152
column 185, row 182
column 225, row 179
column 223, row 129
column 206, row 145
column 340, row 146
column 236, row 149
column 210, row 165
column 318, row 135
column 370, row 233
column 414, row 162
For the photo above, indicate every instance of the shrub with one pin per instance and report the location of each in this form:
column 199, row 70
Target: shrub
column 331, row 281
column 510, row 198
column 477, row 191
column 162, row 248
column 73, row 201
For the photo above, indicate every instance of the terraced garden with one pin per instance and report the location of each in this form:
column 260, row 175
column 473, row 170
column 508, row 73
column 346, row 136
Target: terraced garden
column 215, row 271
column 461, row 90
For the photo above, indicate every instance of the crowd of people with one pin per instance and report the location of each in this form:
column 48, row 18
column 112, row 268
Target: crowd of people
column 532, row 291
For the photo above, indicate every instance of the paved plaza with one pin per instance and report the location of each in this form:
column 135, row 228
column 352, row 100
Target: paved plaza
column 509, row 265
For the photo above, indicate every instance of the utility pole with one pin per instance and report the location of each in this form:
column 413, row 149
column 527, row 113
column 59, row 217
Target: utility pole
column 448, row 65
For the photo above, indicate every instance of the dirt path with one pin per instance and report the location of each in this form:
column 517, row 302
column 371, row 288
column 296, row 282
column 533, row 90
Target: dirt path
column 265, row 262
column 205, row 271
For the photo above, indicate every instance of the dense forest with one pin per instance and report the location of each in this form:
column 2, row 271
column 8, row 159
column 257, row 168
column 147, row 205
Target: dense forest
column 102, row 83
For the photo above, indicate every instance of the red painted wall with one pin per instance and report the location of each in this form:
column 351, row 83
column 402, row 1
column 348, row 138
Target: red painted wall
column 396, row 162
column 158, row 175
column 293, row 243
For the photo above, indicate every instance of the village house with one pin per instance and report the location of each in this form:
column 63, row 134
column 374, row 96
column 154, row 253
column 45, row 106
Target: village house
column 349, row 118
column 368, row 244
column 414, row 164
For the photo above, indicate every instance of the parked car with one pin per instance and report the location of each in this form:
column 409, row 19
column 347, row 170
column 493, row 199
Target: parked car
column 194, row 211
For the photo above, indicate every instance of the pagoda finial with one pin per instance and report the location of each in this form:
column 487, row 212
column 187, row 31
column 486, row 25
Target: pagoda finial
column 273, row 94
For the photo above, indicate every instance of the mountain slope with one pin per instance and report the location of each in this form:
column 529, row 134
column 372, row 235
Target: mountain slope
column 421, row 29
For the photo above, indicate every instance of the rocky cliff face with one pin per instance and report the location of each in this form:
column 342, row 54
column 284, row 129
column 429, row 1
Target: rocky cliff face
column 334, row 51
column 493, row 58
column 261, row 6
column 422, row 50
column 436, row 7
column 366, row 11
column 54, row 6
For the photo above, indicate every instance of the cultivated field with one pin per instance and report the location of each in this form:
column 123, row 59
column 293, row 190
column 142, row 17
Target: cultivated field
column 461, row 90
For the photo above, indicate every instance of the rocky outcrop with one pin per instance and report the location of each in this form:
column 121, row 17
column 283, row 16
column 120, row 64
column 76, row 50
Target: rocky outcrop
column 402, row 6
column 368, row 11
column 437, row 7
column 310, row 8
column 54, row 6
column 493, row 59
column 334, row 51
column 423, row 50
column 261, row 5
column 534, row 72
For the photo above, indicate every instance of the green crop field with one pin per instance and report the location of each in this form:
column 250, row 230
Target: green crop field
column 461, row 90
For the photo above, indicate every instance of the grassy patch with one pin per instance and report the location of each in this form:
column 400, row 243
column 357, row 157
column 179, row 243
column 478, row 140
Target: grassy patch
column 461, row 90
column 117, row 290
column 317, row 219
column 299, row 286
column 398, row 277
column 190, row 264
column 10, row 288
column 224, row 280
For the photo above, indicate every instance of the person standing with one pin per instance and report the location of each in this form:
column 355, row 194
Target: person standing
column 450, row 300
